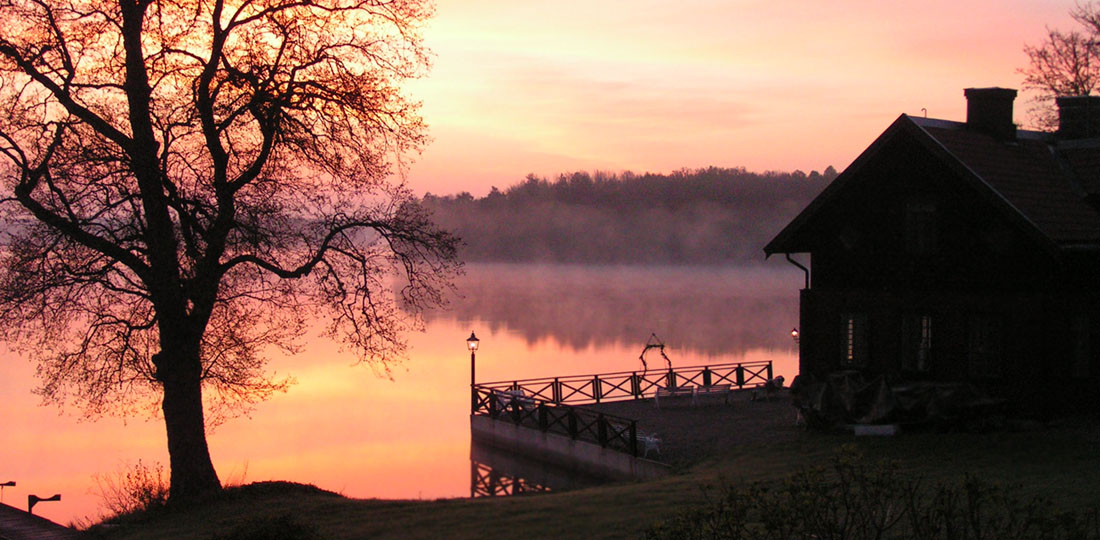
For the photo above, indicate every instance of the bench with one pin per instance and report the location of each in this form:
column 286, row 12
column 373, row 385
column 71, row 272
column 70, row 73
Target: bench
column 673, row 393
column 722, row 390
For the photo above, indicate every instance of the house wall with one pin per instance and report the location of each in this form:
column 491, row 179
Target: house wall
column 862, row 240
column 981, row 284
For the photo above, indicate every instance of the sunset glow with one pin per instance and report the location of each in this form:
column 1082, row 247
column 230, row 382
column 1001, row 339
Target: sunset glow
column 515, row 88
column 340, row 428
column 546, row 88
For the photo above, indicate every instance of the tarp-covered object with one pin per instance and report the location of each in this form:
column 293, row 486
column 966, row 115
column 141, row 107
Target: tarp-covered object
column 848, row 397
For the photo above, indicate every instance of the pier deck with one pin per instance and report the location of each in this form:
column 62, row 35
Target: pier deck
column 690, row 434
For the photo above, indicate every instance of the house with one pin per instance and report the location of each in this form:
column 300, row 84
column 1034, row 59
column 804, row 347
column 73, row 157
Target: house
column 961, row 252
column 16, row 524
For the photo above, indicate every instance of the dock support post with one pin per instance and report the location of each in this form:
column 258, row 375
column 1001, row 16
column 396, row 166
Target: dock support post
column 601, row 430
column 634, row 438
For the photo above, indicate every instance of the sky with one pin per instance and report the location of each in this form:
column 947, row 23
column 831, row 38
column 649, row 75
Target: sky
column 522, row 87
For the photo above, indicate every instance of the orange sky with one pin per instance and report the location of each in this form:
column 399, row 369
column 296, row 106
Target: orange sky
column 543, row 87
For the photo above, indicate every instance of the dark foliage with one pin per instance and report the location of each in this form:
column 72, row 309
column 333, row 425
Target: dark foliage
column 1063, row 64
column 696, row 217
column 273, row 488
column 854, row 499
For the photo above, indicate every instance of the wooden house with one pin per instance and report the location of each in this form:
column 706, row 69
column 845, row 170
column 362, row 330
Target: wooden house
column 961, row 251
column 15, row 524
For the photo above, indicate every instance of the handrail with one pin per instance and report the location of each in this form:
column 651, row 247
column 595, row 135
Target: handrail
column 628, row 385
column 547, row 404
column 607, row 430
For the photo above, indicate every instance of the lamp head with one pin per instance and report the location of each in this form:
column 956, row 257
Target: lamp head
column 472, row 342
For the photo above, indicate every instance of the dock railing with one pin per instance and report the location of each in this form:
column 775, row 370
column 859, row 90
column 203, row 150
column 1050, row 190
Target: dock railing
column 607, row 430
column 627, row 385
column 549, row 404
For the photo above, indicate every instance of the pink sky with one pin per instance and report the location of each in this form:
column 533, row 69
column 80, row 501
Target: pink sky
column 542, row 87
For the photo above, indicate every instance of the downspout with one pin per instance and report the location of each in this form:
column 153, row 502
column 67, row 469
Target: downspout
column 805, row 270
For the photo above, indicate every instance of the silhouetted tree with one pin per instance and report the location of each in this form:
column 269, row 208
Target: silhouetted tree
column 189, row 183
column 1064, row 64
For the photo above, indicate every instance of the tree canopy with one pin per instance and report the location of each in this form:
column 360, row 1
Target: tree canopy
column 1064, row 64
column 703, row 216
column 187, row 184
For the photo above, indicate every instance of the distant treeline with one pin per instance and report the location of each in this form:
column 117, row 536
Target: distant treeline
column 702, row 216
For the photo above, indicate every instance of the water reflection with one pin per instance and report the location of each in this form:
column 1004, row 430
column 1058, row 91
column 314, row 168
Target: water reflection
column 346, row 429
column 498, row 473
column 711, row 310
column 485, row 481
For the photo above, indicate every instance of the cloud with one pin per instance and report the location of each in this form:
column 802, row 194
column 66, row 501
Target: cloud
column 655, row 85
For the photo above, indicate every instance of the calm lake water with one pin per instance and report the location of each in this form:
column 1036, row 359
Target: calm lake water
column 347, row 429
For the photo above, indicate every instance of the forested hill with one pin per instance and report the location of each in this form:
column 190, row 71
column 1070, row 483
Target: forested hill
column 703, row 216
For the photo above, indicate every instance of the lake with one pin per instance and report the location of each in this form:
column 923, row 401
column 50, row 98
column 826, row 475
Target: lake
column 348, row 429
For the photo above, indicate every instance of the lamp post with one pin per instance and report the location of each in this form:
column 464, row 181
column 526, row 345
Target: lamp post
column 472, row 343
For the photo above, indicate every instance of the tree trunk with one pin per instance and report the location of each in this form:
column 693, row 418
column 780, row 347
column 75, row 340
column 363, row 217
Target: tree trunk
column 193, row 474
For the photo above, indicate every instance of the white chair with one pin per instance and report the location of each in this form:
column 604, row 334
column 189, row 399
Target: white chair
column 650, row 442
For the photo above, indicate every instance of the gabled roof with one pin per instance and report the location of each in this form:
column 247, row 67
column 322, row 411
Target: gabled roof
column 1037, row 182
column 16, row 524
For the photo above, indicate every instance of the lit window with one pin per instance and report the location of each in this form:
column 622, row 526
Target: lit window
column 1081, row 346
column 918, row 343
column 855, row 340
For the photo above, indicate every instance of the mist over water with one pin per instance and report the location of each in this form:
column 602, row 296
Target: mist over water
column 712, row 310
column 711, row 216
column 344, row 428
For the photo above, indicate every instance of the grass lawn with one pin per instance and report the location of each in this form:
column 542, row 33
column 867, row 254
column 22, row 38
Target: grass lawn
column 1061, row 463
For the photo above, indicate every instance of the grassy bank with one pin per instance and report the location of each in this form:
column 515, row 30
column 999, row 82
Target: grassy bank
column 1061, row 463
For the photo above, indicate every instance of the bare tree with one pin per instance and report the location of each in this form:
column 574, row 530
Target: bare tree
column 1065, row 64
column 188, row 183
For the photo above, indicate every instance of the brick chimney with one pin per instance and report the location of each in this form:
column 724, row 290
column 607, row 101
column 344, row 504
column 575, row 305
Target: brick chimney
column 1078, row 117
column 989, row 111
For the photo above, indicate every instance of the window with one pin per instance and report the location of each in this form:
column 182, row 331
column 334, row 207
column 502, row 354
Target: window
column 1081, row 347
column 854, row 353
column 920, row 228
column 984, row 347
column 917, row 343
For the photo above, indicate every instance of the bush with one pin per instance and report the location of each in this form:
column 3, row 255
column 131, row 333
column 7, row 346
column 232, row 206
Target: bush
column 134, row 489
column 852, row 499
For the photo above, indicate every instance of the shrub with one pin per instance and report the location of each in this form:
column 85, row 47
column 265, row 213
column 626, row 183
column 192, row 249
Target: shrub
column 134, row 489
column 852, row 499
